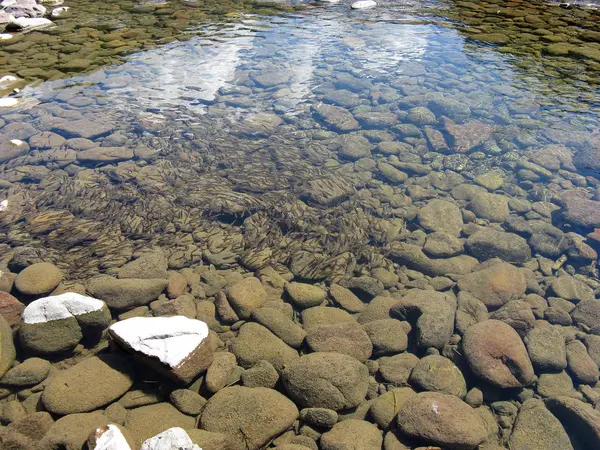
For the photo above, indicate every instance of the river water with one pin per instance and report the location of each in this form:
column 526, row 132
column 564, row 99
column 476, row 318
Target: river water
column 302, row 137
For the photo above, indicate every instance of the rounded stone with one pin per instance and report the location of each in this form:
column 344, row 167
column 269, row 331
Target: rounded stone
column 252, row 416
column 438, row 374
column 352, row 434
column 496, row 354
column 87, row 386
column 326, row 380
column 305, row 295
column 443, row 420
column 38, row 279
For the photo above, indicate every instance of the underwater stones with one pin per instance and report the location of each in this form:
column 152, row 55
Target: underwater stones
column 126, row 293
column 343, row 98
column 346, row 299
column 572, row 289
column 29, row 373
column 352, row 433
column 587, row 313
column 327, row 191
column 256, row 343
column 492, row 207
column 443, row 245
column 581, row 419
column 536, row 427
column 581, row 366
column 435, row 373
column 546, row 348
column 391, row 173
column 342, row 336
column 7, row 347
column 148, row 421
column 172, row 439
column 105, row 155
column 251, row 416
column 149, row 265
column 582, row 212
column 487, row 244
column 437, row 141
column 353, row 147
column 246, row 296
column 281, row 325
column 337, row 117
column 496, row 354
column 38, row 279
column 470, row 311
column 56, row 324
column 13, row 149
column 443, row 420
column 88, row 385
column 84, row 128
column 271, row 78
column 413, row 257
column 326, row 380
column 466, row 137
column 375, row 119
column 387, row 335
column 455, row 110
column 72, row 431
column 495, row 285
column 46, row 140
column 587, row 155
column 421, row 116
column 441, row 215
column 431, row 313
column 11, row 309
column 305, row 295
column 176, row 347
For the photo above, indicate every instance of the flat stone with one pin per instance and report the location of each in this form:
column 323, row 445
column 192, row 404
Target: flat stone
column 495, row 285
column 88, row 385
column 84, row 128
column 105, row 155
column 126, row 293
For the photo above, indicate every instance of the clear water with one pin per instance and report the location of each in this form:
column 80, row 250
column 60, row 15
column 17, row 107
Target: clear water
column 232, row 161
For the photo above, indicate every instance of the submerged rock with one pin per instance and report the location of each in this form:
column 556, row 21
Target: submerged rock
column 252, row 416
column 496, row 354
column 443, row 420
column 326, row 380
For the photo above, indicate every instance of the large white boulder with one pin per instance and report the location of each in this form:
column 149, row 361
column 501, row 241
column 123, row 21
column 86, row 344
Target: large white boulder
column 176, row 347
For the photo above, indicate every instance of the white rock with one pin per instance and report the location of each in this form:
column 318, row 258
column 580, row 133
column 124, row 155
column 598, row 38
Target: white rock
column 5, row 36
column 8, row 79
column 8, row 102
column 56, row 12
column 59, row 307
column 6, row 3
column 16, row 142
column 28, row 23
column 3, row 207
column 172, row 439
column 110, row 438
column 363, row 4
column 52, row 2
column 169, row 339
